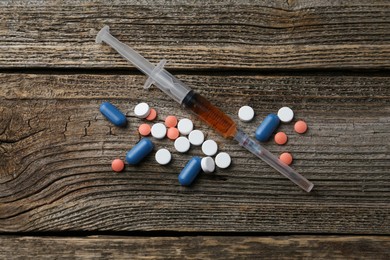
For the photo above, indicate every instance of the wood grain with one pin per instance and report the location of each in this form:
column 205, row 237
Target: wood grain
column 198, row 34
column 56, row 149
column 197, row 247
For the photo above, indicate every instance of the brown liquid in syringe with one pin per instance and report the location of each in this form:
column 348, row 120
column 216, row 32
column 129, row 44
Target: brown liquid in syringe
column 212, row 115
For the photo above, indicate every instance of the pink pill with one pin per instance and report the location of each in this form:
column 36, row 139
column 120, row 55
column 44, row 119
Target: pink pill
column 286, row 158
column 280, row 138
column 117, row 165
column 300, row 127
column 144, row 129
column 173, row 133
column 152, row 115
column 170, row 121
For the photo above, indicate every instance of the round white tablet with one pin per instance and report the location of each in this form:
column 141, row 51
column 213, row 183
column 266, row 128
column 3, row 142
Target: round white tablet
column 246, row 113
column 209, row 147
column 207, row 164
column 185, row 126
column 196, row 137
column 223, row 160
column 159, row 131
column 285, row 114
column 182, row 144
column 142, row 110
column 163, row 156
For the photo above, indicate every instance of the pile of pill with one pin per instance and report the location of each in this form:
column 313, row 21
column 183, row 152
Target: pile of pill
column 184, row 135
column 269, row 125
column 181, row 131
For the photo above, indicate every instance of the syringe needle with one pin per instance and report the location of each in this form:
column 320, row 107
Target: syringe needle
column 254, row 147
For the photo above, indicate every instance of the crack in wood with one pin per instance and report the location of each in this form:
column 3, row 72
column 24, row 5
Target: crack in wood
column 22, row 138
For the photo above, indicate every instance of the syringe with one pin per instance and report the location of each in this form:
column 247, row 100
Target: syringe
column 199, row 105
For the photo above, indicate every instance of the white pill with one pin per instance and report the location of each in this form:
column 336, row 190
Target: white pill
column 196, row 137
column 163, row 156
column 246, row 113
column 182, row 144
column 142, row 110
column 185, row 126
column 285, row 114
column 223, row 160
column 207, row 164
column 209, row 147
column 159, row 131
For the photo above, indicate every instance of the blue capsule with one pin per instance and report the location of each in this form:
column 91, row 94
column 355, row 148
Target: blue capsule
column 113, row 114
column 190, row 171
column 139, row 151
column 267, row 127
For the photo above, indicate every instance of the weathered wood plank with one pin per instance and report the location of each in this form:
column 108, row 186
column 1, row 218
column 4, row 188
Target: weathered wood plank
column 56, row 149
column 198, row 247
column 198, row 34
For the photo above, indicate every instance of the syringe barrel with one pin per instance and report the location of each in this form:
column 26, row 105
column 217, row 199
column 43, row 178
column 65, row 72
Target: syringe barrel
column 210, row 114
column 170, row 85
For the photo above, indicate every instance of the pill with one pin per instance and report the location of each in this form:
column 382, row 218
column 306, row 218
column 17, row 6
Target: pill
column 209, row 147
column 173, row 133
column 207, row 164
column 144, row 129
column 223, row 160
column 300, row 127
column 286, row 158
column 142, row 110
column 182, row 144
column 163, row 156
column 113, row 114
column 152, row 115
column 246, row 113
column 170, row 121
column 190, row 171
column 159, row 131
column 139, row 151
column 185, row 126
column 117, row 165
column 280, row 138
column 285, row 114
column 196, row 137
column 267, row 127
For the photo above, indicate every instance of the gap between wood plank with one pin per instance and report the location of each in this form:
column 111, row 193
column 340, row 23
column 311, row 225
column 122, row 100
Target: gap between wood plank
column 178, row 234
column 202, row 72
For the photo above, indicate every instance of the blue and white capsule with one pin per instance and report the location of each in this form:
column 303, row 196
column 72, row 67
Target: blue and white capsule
column 267, row 127
column 190, row 171
column 139, row 151
column 113, row 114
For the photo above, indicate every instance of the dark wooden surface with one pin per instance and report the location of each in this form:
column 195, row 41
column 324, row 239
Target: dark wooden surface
column 198, row 247
column 328, row 62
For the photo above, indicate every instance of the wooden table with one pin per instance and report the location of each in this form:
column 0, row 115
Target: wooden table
column 329, row 62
